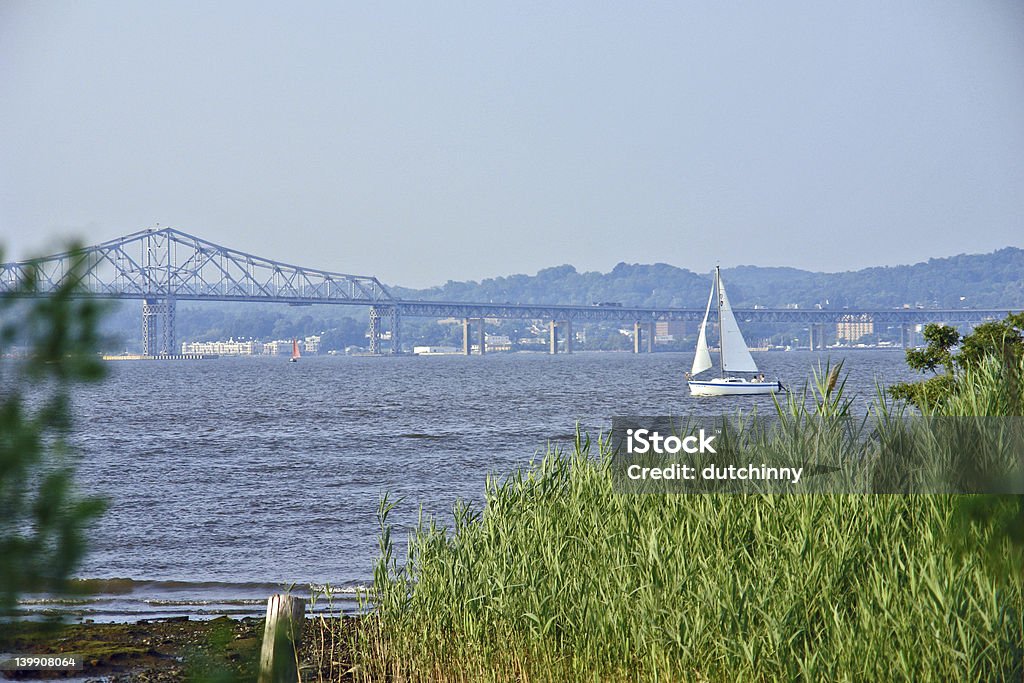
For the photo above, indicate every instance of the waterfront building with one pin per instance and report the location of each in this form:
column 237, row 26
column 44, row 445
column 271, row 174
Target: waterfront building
column 498, row 342
column 231, row 347
column 436, row 350
column 852, row 327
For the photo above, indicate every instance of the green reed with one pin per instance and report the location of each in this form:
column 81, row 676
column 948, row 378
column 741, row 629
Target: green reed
column 558, row 577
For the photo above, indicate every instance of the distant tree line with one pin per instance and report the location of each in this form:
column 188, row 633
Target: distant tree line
column 974, row 281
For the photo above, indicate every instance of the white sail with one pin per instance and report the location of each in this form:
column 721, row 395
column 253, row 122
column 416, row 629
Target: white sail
column 735, row 354
column 702, row 360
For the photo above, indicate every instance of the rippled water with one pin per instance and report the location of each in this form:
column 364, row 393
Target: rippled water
column 248, row 472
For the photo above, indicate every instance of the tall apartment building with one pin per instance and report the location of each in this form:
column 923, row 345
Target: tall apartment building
column 851, row 328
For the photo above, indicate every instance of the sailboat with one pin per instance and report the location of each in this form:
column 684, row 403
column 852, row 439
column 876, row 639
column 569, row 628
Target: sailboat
column 295, row 352
column 734, row 354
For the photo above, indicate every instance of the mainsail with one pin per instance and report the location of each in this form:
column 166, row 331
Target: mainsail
column 735, row 354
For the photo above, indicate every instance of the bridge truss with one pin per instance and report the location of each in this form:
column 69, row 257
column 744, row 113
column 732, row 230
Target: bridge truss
column 162, row 266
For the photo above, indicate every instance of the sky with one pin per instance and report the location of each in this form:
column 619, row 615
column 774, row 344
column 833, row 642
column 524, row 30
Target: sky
column 422, row 142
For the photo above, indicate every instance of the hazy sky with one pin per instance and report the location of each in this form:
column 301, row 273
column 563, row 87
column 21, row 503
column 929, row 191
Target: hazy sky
column 428, row 141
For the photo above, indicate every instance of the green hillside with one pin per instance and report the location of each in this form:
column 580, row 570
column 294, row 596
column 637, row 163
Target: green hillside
column 983, row 280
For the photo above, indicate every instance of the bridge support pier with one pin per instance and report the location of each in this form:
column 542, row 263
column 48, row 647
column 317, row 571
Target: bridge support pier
column 376, row 332
column 396, row 330
column 158, row 338
column 553, row 326
column 641, row 330
column 149, row 327
column 817, row 339
column 467, row 335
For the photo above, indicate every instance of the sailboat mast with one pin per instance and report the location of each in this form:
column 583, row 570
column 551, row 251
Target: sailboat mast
column 721, row 334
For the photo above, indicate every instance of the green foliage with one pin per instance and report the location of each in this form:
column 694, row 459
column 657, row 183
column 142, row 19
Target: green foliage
column 1003, row 339
column 938, row 352
column 928, row 392
column 47, row 345
column 561, row 577
column 991, row 385
column 999, row 342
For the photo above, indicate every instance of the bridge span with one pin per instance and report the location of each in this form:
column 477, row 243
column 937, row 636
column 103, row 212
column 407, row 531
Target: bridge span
column 161, row 266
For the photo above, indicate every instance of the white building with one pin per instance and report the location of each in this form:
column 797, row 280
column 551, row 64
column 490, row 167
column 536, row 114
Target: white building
column 224, row 348
column 310, row 345
column 435, row 350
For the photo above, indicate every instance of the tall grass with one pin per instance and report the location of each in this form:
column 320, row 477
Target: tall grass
column 559, row 577
column 995, row 387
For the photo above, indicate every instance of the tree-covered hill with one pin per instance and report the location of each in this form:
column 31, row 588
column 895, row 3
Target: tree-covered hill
column 967, row 280
column 655, row 285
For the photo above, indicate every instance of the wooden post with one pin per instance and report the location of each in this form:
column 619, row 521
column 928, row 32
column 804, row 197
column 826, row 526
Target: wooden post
column 281, row 637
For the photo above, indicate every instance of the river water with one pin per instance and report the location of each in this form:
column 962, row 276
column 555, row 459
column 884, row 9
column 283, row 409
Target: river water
column 229, row 478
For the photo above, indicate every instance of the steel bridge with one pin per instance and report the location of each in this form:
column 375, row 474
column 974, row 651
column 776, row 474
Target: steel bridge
column 161, row 266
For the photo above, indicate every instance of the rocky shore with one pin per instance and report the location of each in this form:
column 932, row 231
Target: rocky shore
column 164, row 650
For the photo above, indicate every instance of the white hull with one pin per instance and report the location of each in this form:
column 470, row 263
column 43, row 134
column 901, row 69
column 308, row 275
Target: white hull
column 732, row 386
